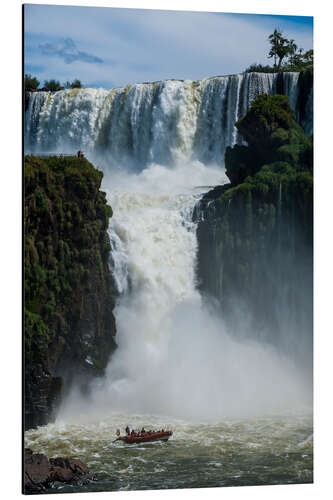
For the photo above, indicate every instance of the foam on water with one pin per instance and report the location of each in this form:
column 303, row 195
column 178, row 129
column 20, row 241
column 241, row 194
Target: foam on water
column 199, row 454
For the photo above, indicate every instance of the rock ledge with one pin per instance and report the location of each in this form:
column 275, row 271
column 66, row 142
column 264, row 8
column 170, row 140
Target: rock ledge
column 41, row 472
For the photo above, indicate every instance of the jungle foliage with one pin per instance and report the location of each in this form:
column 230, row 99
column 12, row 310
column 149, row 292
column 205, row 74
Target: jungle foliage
column 272, row 136
column 30, row 82
column 66, row 221
column 287, row 56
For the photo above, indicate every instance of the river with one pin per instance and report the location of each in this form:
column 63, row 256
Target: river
column 232, row 452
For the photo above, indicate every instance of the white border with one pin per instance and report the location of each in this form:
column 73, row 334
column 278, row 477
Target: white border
column 11, row 42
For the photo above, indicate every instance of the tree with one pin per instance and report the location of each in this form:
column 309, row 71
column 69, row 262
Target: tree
column 280, row 47
column 75, row 84
column 258, row 68
column 296, row 59
column 299, row 61
column 308, row 59
column 287, row 56
column 30, row 82
column 52, row 85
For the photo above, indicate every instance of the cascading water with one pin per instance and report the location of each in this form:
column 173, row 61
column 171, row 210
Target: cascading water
column 163, row 122
column 160, row 146
column 174, row 356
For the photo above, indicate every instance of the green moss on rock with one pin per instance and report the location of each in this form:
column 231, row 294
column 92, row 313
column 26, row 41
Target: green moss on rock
column 272, row 135
column 68, row 287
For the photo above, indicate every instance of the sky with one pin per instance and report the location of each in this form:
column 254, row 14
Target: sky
column 113, row 47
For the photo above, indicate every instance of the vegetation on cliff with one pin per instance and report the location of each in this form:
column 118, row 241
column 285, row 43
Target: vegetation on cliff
column 31, row 83
column 69, row 326
column 284, row 49
column 272, row 136
column 257, row 233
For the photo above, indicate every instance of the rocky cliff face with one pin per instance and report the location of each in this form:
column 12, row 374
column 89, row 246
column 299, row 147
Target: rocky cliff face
column 256, row 234
column 69, row 326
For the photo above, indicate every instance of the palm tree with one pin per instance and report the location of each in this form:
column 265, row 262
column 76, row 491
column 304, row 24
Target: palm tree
column 280, row 47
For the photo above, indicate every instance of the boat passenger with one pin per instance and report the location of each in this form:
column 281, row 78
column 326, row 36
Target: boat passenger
column 127, row 430
column 143, row 430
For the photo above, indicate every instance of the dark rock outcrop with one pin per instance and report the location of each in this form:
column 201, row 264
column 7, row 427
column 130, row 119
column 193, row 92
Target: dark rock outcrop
column 41, row 472
column 69, row 326
column 256, row 234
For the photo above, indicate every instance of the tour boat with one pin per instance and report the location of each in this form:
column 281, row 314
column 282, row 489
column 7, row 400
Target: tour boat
column 145, row 437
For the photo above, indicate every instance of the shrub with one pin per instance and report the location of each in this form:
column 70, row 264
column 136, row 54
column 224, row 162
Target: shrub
column 52, row 85
column 30, row 82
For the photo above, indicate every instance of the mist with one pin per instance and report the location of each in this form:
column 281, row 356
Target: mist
column 175, row 354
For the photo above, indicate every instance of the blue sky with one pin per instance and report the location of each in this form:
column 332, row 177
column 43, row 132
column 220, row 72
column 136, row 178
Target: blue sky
column 112, row 47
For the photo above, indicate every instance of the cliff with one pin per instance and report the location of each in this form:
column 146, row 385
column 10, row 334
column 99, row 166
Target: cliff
column 69, row 326
column 256, row 233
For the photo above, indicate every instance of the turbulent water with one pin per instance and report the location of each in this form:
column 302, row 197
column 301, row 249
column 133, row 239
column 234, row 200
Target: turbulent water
column 240, row 411
column 228, row 452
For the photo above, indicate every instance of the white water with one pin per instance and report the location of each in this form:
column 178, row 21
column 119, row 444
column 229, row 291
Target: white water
column 168, row 123
column 231, row 452
column 175, row 356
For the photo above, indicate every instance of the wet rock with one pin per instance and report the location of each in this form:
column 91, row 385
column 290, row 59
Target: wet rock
column 41, row 473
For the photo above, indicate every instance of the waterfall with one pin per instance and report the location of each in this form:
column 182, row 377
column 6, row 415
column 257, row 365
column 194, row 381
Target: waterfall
column 290, row 87
column 160, row 146
column 175, row 356
column 167, row 123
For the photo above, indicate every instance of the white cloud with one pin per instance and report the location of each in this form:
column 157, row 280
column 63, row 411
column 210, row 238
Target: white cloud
column 68, row 51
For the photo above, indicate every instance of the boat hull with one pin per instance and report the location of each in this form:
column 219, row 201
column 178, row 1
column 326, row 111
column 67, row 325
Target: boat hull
column 147, row 438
